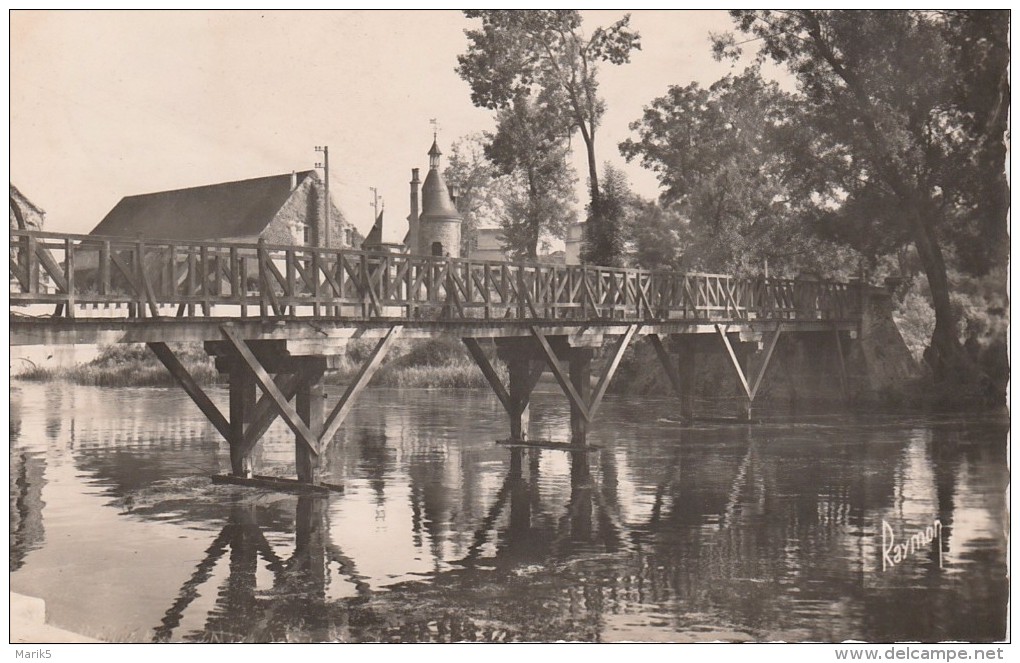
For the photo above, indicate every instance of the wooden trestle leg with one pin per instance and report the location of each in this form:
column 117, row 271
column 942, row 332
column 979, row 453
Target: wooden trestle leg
column 579, row 363
column 739, row 359
column 687, row 366
column 252, row 363
column 311, row 401
column 242, row 407
column 526, row 359
column 524, row 375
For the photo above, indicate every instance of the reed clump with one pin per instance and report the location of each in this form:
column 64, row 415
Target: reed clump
column 440, row 363
column 128, row 365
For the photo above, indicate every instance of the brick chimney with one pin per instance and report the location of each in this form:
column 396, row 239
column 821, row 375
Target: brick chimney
column 412, row 221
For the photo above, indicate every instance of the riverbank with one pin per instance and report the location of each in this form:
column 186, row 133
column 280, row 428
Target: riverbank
column 432, row 363
column 28, row 624
column 801, row 374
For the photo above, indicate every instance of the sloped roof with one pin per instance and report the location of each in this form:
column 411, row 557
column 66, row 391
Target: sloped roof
column 436, row 201
column 230, row 209
column 375, row 235
column 23, row 212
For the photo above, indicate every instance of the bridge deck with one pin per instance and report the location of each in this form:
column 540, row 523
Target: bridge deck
column 89, row 289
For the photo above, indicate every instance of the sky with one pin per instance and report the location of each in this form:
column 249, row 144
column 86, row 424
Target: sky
column 106, row 104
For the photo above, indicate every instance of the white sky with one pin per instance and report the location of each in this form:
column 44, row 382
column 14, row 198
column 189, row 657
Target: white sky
column 115, row 103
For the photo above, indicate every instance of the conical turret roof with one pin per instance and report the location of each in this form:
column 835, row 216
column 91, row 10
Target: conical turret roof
column 436, row 202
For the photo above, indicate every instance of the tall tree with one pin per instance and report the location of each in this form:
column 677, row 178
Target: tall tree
column 481, row 189
column 883, row 90
column 725, row 157
column 604, row 241
column 517, row 178
column 544, row 54
column 528, row 148
column 658, row 236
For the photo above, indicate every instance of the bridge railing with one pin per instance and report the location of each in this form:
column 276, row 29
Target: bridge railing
column 93, row 276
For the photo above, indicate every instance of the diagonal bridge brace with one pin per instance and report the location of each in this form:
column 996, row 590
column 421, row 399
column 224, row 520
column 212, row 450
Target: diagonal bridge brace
column 607, row 374
column 514, row 403
column 750, row 389
column 280, row 393
column 346, row 402
column 270, row 388
column 590, row 408
column 167, row 357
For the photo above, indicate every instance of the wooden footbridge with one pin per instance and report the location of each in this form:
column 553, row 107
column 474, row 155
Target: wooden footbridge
column 275, row 317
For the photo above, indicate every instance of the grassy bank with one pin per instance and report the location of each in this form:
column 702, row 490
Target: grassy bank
column 434, row 363
column 427, row 364
column 128, row 365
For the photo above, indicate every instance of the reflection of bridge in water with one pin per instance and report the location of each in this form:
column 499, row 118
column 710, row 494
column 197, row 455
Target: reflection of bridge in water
column 275, row 317
column 764, row 532
column 568, row 565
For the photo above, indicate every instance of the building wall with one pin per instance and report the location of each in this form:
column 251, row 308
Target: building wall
column 488, row 245
column 574, row 243
column 304, row 209
column 31, row 215
column 445, row 231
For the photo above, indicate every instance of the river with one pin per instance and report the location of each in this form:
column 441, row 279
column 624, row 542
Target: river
column 778, row 531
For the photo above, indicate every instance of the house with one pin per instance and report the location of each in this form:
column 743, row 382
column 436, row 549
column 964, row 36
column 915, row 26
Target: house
column 23, row 213
column 488, row 244
column 282, row 209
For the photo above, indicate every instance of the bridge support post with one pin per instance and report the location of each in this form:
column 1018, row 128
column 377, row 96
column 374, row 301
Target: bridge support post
column 748, row 385
column 242, row 404
column 522, row 382
column 524, row 375
column 310, row 403
column 686, row 365
column 841, row 363
column 745, row 399
column 579, row 361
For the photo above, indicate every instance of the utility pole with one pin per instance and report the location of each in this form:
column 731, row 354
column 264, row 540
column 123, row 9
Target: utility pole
column 374, row 203
column 324, row 164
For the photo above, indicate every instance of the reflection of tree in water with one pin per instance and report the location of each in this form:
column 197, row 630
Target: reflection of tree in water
column 26, row 480
column 930, row 605
column 376, row 461
column 756, row 535
column 54, row 402
column 26, row 477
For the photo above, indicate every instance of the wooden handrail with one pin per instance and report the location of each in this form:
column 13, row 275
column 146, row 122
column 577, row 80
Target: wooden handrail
column 300, row 281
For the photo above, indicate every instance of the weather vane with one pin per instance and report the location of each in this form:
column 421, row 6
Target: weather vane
column 435, row 128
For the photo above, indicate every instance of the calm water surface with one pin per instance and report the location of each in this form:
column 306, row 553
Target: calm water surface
column 664, row 533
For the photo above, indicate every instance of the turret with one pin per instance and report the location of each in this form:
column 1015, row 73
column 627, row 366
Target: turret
column 440, row 222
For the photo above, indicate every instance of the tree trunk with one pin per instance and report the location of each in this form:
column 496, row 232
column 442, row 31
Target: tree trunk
column 534, row 219
column 945, row 355
column 590, row 249
column 593, row 174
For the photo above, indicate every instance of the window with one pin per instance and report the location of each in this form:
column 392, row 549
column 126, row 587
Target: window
column 437, row 248
column 306, row 231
